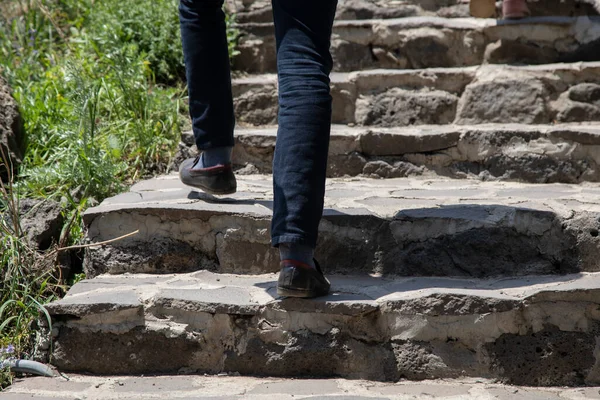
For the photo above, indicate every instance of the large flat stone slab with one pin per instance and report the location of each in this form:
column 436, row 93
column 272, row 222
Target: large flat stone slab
column 418, row 226
column 562, row 153
column 530, row 330
column 188, row 387
column 427, row 42
column 541, row 94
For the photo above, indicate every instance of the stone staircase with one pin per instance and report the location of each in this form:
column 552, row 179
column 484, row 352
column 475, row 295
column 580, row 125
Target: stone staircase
column 477, row 255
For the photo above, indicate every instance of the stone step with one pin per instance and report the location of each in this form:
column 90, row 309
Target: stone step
column 260, row 10
column 564, row 153
column 541, row 94
column 532, row 330
column 392, row 227
column 226, row 387
column 428, row 42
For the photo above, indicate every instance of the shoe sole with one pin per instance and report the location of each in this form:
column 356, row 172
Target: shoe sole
column 213, row 192
column 209, row 190
column 304, row 294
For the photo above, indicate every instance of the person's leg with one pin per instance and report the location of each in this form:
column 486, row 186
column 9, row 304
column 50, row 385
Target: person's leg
column 208, row 73
column 204, row 39
column 303, row 31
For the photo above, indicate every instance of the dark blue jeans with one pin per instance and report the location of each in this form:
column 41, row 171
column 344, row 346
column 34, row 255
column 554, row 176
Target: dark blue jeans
column 302, row 31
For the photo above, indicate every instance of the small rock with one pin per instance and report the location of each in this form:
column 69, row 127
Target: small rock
column 585, row 92
column 41, row 221
column 399, row 107
column 11, row 131
column 248, row 169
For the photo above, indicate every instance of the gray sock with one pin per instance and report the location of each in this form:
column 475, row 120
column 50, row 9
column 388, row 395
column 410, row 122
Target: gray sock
column 298, row 252
column 213, row 157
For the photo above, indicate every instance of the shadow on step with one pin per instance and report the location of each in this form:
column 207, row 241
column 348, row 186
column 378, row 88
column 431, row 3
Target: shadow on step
column 387, row 236
column 438, row 294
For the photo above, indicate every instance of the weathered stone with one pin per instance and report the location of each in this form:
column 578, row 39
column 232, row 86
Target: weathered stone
column 540, row 154
column 150, row 385
column 427, row 42
column 505, row 101
column 256, row 148
column 398, row 169
column 164, row 256
column 256, row 49
column 398, row 107
column 527, row 155
column 368, row 328
column 231, row 387
column 309, row 354
column 544, row 90
column 260, row 10
column 507, row 51
column 377, row 142
column 351, row 164
column 551, row 357
column 429, row 47
column 257, row 107
column 41, row 221
column 579, row 112
column 11, row 133
column 465, row 229
column 585, row 93
column 348, row 56
column 561, row 7
column 123, row 353
column 480, row 236
column 416, row 362
column 238, row 252
column 344, row 93
column 299, row 388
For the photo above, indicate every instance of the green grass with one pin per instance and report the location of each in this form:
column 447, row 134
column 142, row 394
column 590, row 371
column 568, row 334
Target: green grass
column 100, row 88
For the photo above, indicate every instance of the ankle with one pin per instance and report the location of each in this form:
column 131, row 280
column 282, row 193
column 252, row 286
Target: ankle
column 213, row 157
column 297, row 252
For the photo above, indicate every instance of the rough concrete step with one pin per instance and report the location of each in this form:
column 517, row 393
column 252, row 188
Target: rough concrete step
column 533, row 330
column 260, row 10
column 393, row 227
column 427, row 42
column 195, row 387
column 472, row 95
column 564, row 153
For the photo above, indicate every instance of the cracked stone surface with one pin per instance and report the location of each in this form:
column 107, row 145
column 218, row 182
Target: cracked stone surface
column 562, row 153
column 225, row 387
column 407, row 227
column 369, row 327
column 564, row 92
column 258, row 11
column 429, row 41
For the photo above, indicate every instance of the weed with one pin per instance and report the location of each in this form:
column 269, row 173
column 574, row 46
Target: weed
column 28, row 280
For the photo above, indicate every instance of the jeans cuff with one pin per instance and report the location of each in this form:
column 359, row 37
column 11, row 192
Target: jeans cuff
column 277, row 240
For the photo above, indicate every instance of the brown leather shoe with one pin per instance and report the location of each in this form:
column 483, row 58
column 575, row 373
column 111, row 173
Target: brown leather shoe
column 218, row 180
column 482, row 8
column 297, row 279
